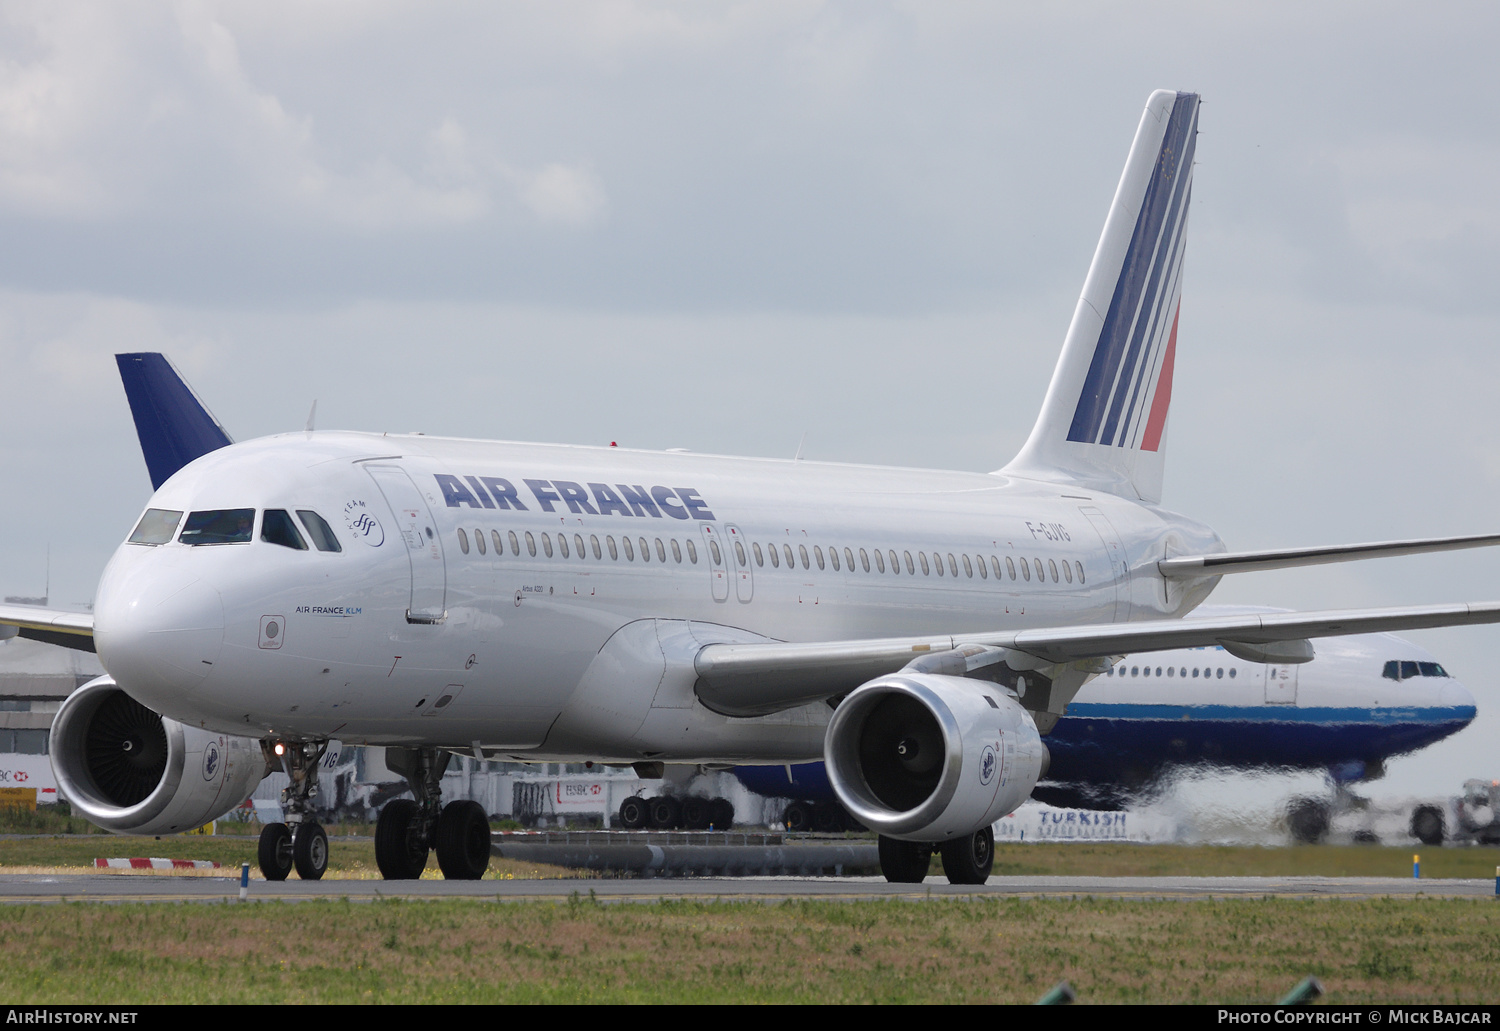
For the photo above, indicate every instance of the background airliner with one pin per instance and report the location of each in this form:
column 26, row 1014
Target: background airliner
column 1364, row 700
column 919, row 630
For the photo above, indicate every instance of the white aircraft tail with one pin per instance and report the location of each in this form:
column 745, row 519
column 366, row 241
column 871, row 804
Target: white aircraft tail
column 1103, row 424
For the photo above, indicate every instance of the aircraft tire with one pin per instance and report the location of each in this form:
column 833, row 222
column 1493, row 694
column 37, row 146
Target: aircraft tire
column 1307, row 819
column 969, row 860
column 634, row 813
column 666, row 813
column 275, row 852
column 798, row 817
column 310, row 851
column 1427, row 825
column 904, row 862
column 721, row 812
column 696, row 814
column 395, row 855
column 463, row 841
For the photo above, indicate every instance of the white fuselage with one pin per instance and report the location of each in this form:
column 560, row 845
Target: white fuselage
column 255, row 638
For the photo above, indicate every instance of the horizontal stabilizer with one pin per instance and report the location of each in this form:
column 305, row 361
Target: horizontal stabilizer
column 769, row 677
column 1197, row 566
column 174, row 427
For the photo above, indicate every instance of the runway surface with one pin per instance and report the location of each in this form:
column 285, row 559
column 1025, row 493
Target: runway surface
column 90, row 887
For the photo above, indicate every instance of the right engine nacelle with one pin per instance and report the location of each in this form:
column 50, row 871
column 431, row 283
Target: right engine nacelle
column 128, row 770
column 925, row 757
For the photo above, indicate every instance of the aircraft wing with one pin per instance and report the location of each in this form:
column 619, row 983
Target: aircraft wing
column 760, row 678
column 1194, row 566
column 61, row 627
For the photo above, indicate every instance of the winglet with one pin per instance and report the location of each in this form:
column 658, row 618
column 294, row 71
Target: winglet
column 174, row 427
column 1103, row 423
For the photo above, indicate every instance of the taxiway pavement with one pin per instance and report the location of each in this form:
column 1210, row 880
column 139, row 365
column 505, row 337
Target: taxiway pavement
column 138, row 887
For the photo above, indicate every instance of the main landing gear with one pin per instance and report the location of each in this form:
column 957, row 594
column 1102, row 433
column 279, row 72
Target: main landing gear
column 300, row 843
column 408, row 830
column 966, row 860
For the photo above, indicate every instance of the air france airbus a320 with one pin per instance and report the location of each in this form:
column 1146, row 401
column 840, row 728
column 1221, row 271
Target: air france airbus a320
column 921, row 632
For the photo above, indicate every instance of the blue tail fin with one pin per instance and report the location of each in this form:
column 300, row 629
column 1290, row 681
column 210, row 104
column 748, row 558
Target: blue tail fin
column 173, row 425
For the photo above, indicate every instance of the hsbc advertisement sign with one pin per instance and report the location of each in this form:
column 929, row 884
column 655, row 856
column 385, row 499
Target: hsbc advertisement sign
column 28, row 771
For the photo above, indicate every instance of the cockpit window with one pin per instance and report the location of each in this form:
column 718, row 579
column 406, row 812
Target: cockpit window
column 221, row 526
column 277, row 528
column 156, row 526
column 1405, row 669
column 321, row 533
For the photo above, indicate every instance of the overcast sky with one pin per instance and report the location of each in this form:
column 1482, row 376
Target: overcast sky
column 722, row 226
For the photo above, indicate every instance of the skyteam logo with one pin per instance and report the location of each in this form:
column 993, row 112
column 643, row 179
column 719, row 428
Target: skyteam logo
column 1128, row 389
column 987, row 764
column 363, row 524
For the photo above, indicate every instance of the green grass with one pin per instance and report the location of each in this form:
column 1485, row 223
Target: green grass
column 945, row 951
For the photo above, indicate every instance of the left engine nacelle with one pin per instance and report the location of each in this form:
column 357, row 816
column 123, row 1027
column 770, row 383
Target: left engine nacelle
column 926, row 757
column 128, row 770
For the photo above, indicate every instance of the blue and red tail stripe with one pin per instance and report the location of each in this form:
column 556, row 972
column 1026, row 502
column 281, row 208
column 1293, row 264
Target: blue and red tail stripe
column 1128, row 388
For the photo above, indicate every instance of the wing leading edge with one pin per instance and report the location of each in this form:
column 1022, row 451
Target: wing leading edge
column 53, row 626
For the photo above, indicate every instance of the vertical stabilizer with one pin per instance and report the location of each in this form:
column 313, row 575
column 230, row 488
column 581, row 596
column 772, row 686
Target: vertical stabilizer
column 174, row 427
column 1103, row 424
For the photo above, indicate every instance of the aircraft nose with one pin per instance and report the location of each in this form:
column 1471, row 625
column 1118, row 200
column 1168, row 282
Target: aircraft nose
column 1455, row 696
column 158, row 630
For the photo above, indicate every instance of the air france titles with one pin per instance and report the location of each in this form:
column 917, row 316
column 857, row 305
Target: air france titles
column 598, row 499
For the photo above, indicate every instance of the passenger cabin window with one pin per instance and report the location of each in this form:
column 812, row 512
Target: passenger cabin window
column 220, row 526
column 321, row 533
column 463, row 538
column 156, row 526
column 277, row 528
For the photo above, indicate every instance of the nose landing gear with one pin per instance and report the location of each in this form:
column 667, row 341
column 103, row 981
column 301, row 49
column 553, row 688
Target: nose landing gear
column 299, row 843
